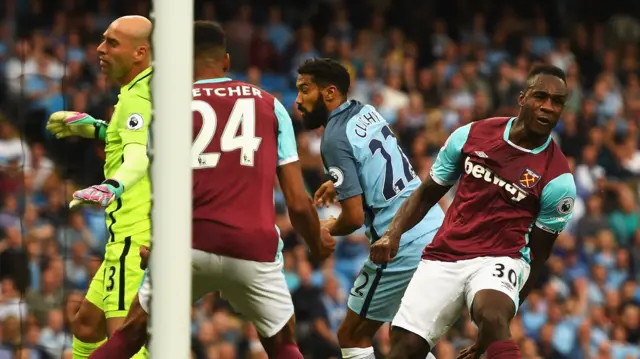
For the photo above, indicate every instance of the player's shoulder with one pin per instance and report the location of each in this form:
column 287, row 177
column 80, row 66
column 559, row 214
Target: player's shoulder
column 362, row 121
column 136, row 96
column 558, row 164
column 489, row 124
column 139, row 89
column 136, row 92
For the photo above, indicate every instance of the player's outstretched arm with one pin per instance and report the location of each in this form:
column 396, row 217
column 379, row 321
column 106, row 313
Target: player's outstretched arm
column 302, row 212
column 443, row 175
column 556, row 209
column 69, row 123
column 411, row 212
column 133, row 131
column 416, row 207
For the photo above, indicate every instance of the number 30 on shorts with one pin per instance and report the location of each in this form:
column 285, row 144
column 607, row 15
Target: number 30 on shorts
column 512, row 276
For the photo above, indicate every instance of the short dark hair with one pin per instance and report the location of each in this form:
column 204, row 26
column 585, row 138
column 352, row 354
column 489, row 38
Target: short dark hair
column 208, row 37
column 326, row 72
column 546, row 70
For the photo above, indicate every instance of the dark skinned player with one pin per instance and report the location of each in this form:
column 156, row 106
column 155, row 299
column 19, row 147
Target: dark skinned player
column 515, row 195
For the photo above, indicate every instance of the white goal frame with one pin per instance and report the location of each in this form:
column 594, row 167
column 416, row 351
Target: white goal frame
column 172, row 82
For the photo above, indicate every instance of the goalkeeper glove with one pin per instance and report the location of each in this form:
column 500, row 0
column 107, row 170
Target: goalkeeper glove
column 102, row 194
column 69, row 123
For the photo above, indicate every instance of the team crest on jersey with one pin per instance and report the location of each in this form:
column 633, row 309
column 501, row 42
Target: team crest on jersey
column 337, row 177
column 135, row 122
column 528, row 178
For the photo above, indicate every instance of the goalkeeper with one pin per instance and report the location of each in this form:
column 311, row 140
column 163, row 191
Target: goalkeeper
column 125, row 57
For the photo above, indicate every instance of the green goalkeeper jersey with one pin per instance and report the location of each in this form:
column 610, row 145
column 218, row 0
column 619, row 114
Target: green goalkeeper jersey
column 129, row 214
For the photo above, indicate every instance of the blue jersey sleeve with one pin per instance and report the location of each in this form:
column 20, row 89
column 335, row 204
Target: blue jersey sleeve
column 340, row 164
column 287, row 149
column 446, row 169
column 556, row 203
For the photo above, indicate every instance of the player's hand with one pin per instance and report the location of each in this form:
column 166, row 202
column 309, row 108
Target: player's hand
column 327, row 245
column 327, row 223
column 384, row 249
column 144, row 257
column 325, row 195
column 68, row 123
column 102, row 194
column 469, row 353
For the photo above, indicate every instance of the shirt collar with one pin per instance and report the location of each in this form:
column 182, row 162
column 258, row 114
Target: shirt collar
column 212, row 81
column 138, row 78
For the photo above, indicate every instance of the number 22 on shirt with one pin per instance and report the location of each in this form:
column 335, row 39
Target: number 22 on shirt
column 391, row 187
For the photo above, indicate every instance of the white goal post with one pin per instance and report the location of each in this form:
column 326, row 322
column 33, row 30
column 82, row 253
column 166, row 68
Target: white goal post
column 171, row 178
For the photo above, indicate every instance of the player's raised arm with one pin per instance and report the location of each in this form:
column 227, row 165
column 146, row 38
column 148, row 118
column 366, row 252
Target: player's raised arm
column 69, row 123
column 444, row 174
column 302, row 212
column 556, row 203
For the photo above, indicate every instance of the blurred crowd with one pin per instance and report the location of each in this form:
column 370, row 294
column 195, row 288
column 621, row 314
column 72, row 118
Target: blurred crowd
column 429, row 67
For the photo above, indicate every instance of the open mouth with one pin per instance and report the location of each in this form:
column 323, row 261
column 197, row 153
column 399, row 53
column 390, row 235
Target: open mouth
column 543, row 120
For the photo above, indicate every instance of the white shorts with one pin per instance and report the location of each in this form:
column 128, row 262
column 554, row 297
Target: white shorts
column 255, row 289
column 439, row 291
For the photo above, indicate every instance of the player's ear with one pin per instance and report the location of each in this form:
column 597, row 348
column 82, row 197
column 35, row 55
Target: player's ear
column 141, row 52
column 330, row 93
column 226, row 63
column 521, row 98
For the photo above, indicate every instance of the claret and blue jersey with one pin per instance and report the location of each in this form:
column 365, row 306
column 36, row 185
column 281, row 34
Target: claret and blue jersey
column 362, row 156
column 504, row 190
column 241, row 135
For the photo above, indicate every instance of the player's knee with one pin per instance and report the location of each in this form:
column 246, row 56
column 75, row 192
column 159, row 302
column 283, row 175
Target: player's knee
column 284, row 337
column 492, row 322
column 136, row 330
column 407, row 345
column 89, row 324
column 349, row 336
column 398, row 352
column 287, row 335
column 83, row 329
column 356, row 332
column 344, row 335
column 136, row 334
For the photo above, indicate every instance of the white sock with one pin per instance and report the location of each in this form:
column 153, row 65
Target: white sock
column 431, row 356
column 357, row 353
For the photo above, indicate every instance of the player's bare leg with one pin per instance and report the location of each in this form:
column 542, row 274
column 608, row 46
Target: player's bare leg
column 283, row 345
column 89, row 329
column 130, row 338
column 407, row 345
column 492, row 311
column 127, row 340
column 355, row 336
